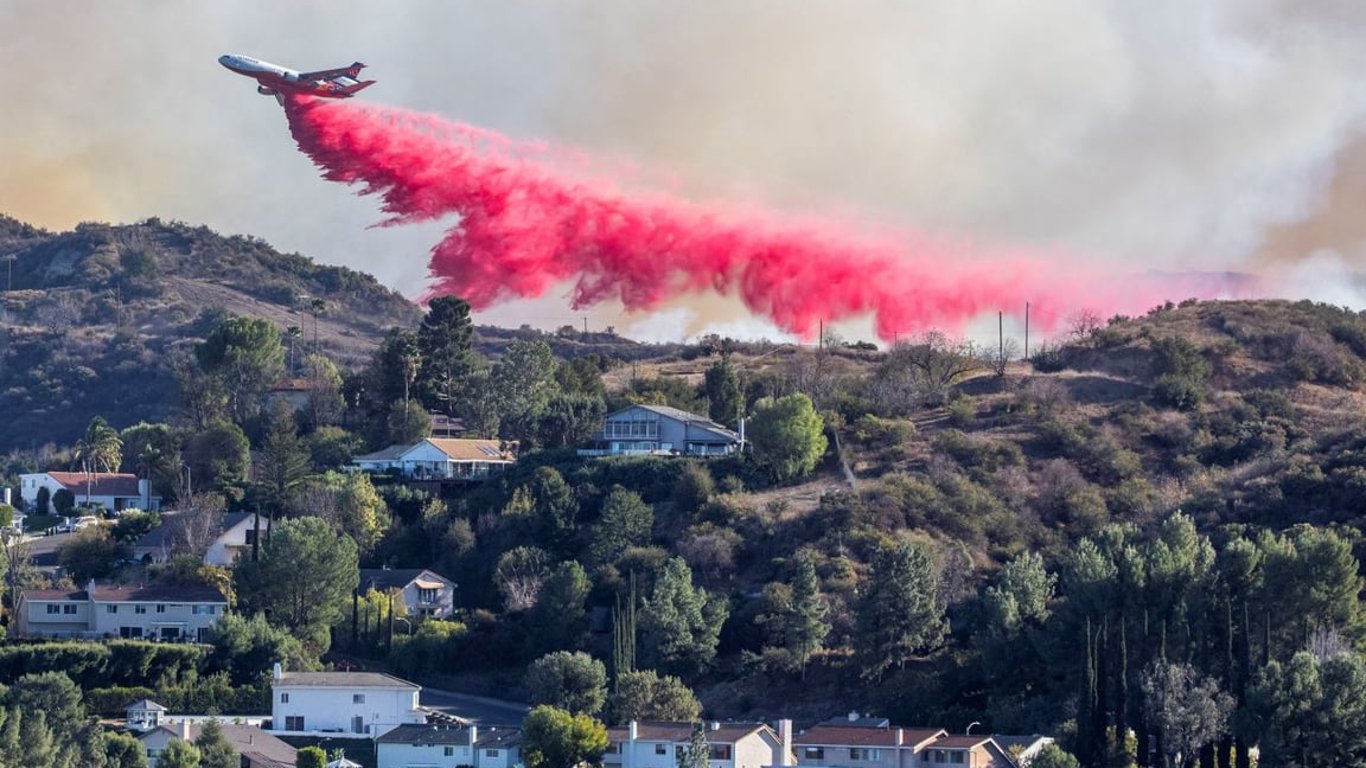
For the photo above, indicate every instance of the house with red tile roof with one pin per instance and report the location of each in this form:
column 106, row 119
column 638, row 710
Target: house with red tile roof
column 864, row 742
column 114, row 491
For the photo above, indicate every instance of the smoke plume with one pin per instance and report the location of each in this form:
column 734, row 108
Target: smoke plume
column 531, row 218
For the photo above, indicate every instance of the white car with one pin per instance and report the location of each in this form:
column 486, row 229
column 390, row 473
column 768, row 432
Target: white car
column 73, row 524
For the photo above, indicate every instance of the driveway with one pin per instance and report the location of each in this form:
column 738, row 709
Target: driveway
column 483, row 711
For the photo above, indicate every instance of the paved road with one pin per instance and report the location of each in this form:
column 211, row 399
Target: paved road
column 481, row 710
column 44, row 549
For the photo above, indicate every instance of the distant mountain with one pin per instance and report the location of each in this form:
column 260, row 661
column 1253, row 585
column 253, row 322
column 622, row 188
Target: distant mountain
column 90, row 319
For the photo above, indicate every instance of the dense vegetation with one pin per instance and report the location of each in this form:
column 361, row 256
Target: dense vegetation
column 1154, row 512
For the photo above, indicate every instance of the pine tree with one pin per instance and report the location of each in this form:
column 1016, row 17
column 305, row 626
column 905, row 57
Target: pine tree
column 624, row 634
column 698, row 754
column 285, row 460
column 214, row 749
column 899, row 615
column 808, row 625
column 681, row 622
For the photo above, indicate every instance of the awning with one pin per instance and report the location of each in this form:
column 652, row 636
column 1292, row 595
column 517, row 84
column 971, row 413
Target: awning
column 423, row 584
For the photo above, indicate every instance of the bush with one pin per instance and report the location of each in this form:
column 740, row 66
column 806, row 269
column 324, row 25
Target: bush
column 1049, row 358
column 876, row 431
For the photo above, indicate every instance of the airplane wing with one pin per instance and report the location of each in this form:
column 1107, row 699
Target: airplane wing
column 332, row 74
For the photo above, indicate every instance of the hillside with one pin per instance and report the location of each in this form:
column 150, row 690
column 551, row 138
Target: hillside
column 98, row 316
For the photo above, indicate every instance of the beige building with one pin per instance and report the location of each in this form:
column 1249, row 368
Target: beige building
column 662, row 745
column 153, row 612
column 255, row 748
column 875, row 743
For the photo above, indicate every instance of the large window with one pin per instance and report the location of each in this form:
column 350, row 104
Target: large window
column 294, row 722
column 427, row 595
column 111, row 609
column 69, row 610
column 661, row 749
column 631, row 428
column 357, row 698
column 720, row 752
column 52, row 608
column 139, row 609
column 814, row 753
column 864, row 753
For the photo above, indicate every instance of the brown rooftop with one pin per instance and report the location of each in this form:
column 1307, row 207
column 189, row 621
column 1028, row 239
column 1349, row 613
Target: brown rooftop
column 99, row 483
column 864, row 736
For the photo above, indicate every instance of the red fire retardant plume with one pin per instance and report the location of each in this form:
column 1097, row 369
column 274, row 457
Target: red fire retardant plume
column 529, row 221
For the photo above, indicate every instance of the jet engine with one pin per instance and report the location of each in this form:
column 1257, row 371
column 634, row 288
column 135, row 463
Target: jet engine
column 264, row 91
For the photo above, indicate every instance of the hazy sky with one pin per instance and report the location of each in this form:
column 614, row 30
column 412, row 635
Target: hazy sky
column 1168, row 134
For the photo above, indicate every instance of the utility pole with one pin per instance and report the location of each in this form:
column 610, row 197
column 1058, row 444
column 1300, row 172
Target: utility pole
column 9, row 264
column 585, row 325
column 1026, row 349
column 820, row 340
column 1001, row 337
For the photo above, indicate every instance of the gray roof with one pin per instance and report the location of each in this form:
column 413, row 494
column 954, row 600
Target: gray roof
column 395, row 578
column 146, row 593
column 147, row 704
column 157, row 537
column 344, row 680
column 259, row 746
column 385, row 454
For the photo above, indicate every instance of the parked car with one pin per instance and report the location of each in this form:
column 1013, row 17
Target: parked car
column 73, row 524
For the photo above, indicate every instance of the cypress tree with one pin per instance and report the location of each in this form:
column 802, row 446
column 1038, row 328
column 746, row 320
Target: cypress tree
column 1141, row 735
column 1100, row 709
column 1122, row 677
column 1086, row 699
column 1243, row 758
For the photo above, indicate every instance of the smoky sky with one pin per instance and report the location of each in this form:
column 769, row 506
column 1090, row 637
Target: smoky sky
column 1224, row 134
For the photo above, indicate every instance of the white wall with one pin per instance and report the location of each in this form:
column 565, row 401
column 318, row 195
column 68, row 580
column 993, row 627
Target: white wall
column 404, row 755
column 445, row 600
column 331, row 708
column 225, row 549
column 190, row 618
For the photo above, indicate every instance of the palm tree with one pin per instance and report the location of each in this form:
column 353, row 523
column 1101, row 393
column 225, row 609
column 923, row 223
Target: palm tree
column 101, row 449
column 293, row 332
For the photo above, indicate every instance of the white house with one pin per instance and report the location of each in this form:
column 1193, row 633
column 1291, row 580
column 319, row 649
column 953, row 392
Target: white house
column 659, row 429
column 342, row 702
column 441, row 458
column 236, row 532
column 732, row 745
column 111, row 490
column 255, row 748
column 144, row 714
column 159, row 612
column 1023, row 749
column 425, row 746
column 863, row 742
column 425, row 593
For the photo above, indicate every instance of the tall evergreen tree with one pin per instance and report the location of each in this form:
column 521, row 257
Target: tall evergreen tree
column 681, row 623
column 284, row 461
column 445, row 341
column 725, row 396
column 214, row 749
column 898, row 616
column 698, row 753
column 808, row 625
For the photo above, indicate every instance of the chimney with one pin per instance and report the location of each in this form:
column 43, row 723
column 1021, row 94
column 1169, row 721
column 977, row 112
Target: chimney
column 4, row 496
column 185, row 728
column 276, row 673
column 90, row 589
column 742, row 433
column 474, row 737
column 145, row 493
column 714, row 725
column 853, row 716
column 785, row 743
column 900, row 736
column 632, row 731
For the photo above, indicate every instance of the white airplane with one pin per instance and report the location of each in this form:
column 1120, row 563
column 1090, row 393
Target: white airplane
column 273, row 80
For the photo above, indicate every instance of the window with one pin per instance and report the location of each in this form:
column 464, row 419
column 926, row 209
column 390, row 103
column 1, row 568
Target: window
column 661, row 749
column 814, row 753
column 613, row 747
column 139, row 609
column 130, row 633
column 490, row 753
column 51, row 608
column 202, row 610
column 111, row 609
column 358, row 724
column 426, row 595
column 357, row 698
column 161, row 607
column 250, row 537
column 69, row 610
column 863, row 753
column 294, row 722
column 284, row 698
column 940, row 755
column 720, row 752
column 448, row 752
column 956, row 757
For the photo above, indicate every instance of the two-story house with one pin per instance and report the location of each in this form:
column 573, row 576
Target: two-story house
column 113, row 491
column 160, row 612
column 427, row 746
column 425, row 593
column 659, row 429
column 663, row 745
column 236, row 532
column 862, row 742
column 368, row 703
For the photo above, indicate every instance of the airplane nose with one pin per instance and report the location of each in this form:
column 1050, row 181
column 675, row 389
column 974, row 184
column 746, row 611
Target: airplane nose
column 225, row 60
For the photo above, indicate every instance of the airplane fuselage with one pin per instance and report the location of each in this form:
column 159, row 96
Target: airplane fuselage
column 274, row 80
